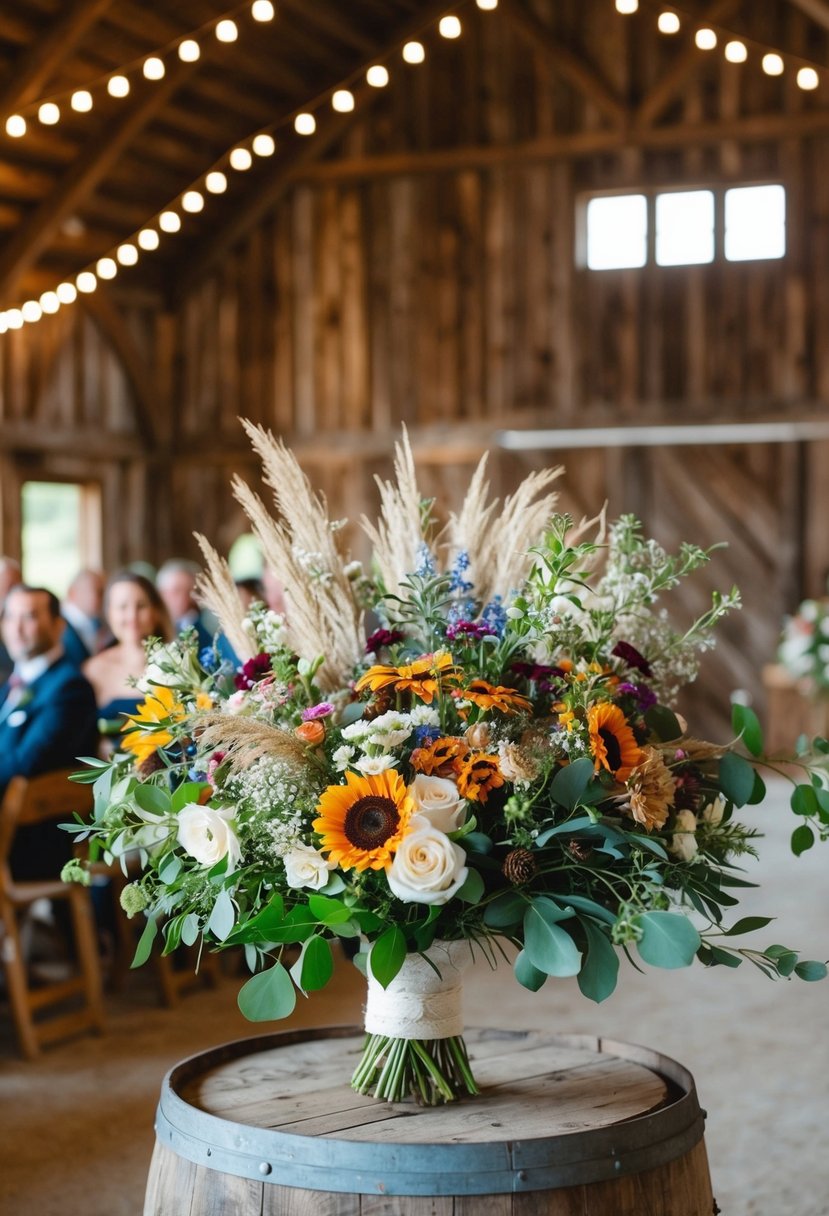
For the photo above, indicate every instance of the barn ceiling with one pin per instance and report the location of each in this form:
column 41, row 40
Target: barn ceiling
column 71, row 192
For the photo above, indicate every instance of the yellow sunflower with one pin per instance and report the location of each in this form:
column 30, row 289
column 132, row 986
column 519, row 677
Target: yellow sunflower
column 479, row 774
column 363, row 822
column 423, row 678
column 612, row 741
column 495, row 696
column 146, row 730
column 441, row 757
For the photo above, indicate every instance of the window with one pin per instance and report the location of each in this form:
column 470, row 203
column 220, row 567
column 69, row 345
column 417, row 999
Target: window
column 685, row 227
column 61, row 532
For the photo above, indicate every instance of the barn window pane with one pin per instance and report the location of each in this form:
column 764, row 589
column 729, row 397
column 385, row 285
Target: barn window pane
column 61, row 532
column 755, row 223
column 617, row 231
column 684, row 227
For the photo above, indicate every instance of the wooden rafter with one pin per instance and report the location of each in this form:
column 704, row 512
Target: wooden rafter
column 81, row 179
column 684, row 65
column 818, row 10
column 108, row 318
column 569, row 65
column 217, row 243
column 47, row 52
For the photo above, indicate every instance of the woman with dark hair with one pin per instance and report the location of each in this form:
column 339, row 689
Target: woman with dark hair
column 134, row 612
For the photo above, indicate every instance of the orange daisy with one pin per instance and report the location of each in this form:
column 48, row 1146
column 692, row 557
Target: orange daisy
column 147, row 729
column 612, row 741
column 441, row 758
column 478, row 775
column 363, row 822
column 424, row 678
column 495, row 696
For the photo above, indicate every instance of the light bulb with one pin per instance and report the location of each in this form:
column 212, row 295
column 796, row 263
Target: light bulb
column 215, row 182
column 807, row 78
column 668, row 23
column 264, row 145
column 240, row 159
column 169, row 221
column 189, row 50
column 227, row 31
column 705, row 39
column 735, row 51
column 106, row 268
column 4, row 325
column 148, row 239
column 16, row 126
column 118, row 86
column 81, row 100
column 487, row 5
column 86, row 281
column 449, row 27
column 343, row 101
column 772, row 64
column 193, row 201
column 14, row 318
column 31, row 311
column 262, row 10
column 305, row 124
column 50, row 302
column 377, row 76
column 154, row 68
column 67, row 293
column 49, row 113
column 127, row 254
column 414, row 52
column 626, row 7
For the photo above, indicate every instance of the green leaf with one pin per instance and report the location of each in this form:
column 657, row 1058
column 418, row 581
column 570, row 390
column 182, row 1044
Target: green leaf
column 315, row 965
column 580, row 823
column 662, row 723
column 645, row 842
column 527, row 975
column 597, row 978
column 152, row 798
column 783, row 958
column 804, row 800
column 223, row 917
column 477, row 842
column 190, row 929
column 802, row 839
column 582, row 904
column 472, row 889
column 745, row 723
column 170, row 868
column 548, row 947
column 145, row 942
column 722, row 957
column 736, row 778
column 570, row 783
column 387, row 956
column 747, row 925
column 328, row 911
column 264, row 923
column 506, row 910
column 668, row 940
column 268, row 995
column 189, row 792
column 758, row 794
column 810, row 970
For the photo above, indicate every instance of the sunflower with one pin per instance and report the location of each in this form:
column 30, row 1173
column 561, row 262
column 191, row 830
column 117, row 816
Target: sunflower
column 424, row 678
column 146, row 730
column 478, row 775
column 362, row 823
column 651, row 789
column 612, row 741
column 440, row 758
column 495, row 696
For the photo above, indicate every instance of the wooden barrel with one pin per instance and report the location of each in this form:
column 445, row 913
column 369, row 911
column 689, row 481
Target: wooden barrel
column 567, row 1125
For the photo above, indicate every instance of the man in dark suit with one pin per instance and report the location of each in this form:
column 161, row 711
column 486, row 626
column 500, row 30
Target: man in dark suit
column 47, row 718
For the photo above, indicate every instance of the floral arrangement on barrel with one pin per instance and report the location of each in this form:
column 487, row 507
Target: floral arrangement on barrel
column 496, row 770
column 804, row 646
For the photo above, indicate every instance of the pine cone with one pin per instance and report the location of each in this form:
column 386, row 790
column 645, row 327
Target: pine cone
column 519, row 866
column 578, row 850
column 380, row 703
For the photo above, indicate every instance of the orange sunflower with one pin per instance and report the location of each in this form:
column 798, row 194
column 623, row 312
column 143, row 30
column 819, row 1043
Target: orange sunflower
column 441, row 758
column 495, row 696
column 478, row 775
column 612, row 741
column 363, row 822
column 424, row 678
column 147, row 729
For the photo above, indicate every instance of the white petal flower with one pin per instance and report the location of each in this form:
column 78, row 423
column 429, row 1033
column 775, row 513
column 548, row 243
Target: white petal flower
column 205, row 833
column 713, row 813
column 684, row 841
column 428, row 868
column 437, row 799
column 424, row 715
column 305, row 867
column 372, row 766
column 342, row 757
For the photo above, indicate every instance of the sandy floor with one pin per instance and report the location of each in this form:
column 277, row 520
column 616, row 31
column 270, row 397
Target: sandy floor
column 76, row 1126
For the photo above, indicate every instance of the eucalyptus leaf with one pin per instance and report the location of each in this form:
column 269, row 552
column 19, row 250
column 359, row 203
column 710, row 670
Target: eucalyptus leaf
column 804, row 800
column 748, row 924
column 328, row 911
column 668, row 940
column 736, row 778
column 810, row 970
column 582, row 904
column 190, row 929
column 188, row 792
column 802, row 839
column 600, row 970
column 267, row 996
column 745, row 723
column 472, row 889
column 570, row 783
column 527, row 975
column 387, row 956
column 223, row 916
column 315, row 965
column 507, row 910
column 170, row 868
column 547, row 946
column 152, row 798
column 145, row 942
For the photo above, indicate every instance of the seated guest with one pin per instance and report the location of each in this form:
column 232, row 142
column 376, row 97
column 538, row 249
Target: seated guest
column 82, row 609
column 47, row 718
column 176, row 583
column 134, row 611
column 10, row 576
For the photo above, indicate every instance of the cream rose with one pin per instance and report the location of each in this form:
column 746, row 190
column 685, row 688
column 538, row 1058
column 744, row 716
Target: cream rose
column 205, row 833
column 713, row 812
column 428, row 868
column 437, row 799
column 684, row 842
column 305, row 867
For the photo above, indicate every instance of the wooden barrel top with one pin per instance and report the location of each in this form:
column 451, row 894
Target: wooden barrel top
column 554, row 1110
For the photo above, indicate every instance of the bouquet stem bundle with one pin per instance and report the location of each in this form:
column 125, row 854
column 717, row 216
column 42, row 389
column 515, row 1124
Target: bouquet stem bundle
column 433, row 1071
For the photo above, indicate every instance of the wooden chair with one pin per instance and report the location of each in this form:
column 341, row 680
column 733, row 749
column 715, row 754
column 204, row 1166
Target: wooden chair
column 51, row 797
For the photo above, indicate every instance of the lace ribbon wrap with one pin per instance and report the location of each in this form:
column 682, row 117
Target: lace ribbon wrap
column 419, row 1003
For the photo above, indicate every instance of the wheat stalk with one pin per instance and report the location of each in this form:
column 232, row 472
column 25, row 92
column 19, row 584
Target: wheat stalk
column 217, row 590
column 246, row 740
column 398, row 533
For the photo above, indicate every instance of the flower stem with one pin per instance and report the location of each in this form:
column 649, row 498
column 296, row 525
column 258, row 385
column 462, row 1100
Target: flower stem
column 432, row 1071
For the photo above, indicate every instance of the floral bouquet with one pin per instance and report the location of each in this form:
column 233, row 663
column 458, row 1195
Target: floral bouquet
column 804, row 646
column 496, row 769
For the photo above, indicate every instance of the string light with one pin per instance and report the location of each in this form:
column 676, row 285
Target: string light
column 16, row 126
column 49, row 302
column 240, row 159
column 81, row 101
column 189, row 51
column 343, row 101
column 106, row 268
column 215, row 182
column 735, row 51
column 86, row 282
column 67, row 293
column 118, row 86
column 168, row 221
column 668, row 23
column 807, row 78
column 706, row 39
column 227, row 31
column 377, row 76
column 414, row 52
column 487, row 6
column 148, row 239
column 192, row 201
column 262, row 10
column 305, row 124
column 626, row 7
column 31, row 311
column 772, row 64
column 449, row 27
column 127, row 254
column 14, row 318
column 264, row 145
column 154, row 68
column 49, row 113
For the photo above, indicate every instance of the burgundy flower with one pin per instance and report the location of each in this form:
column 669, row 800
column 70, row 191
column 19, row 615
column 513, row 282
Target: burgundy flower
column 469, row 629
column 642, row 695
column 630, row 655
column 252, row 672
column 381, row 638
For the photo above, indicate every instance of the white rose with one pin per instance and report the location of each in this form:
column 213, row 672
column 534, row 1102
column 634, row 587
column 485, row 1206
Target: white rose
column 205, row 833
column 152, row 676
column 437, row 799
column 713, row 813
column 305, row 867
column 684, row 842
column 428, row 868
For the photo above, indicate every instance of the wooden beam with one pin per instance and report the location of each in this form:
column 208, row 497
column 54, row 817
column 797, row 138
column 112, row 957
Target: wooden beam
column 18, row 438
column 81, row 178
column 686, row 62
column 696, row 435
column 103, row 310
column 331, row 128
column 47, row 52
column 568, row 65
column 818, row 10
